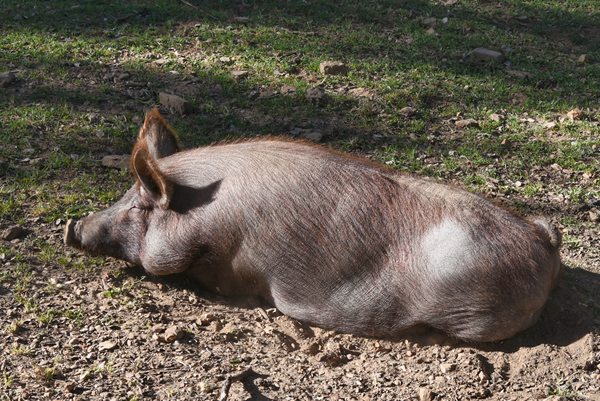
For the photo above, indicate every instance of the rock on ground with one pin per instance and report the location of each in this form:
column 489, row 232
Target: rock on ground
column 333, row 68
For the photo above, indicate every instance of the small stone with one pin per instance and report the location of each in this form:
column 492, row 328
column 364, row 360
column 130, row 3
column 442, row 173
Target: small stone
column 496, row 117
column 206, row 387
column 107, row 346
column 361, row 92
column 333, row 68
column 306, row 133
column 225, row 59
column 447, row 367
column 593, row 216
column 174, row 102
column 425, row 394
column 73, row 341
column 519, row 98
column 575, row 114
column 431, row 32
column 239, row 74
column 13, row 232
column 287, row 90
column 266, row 93
column 468, row 122
column 582, row 59
column 314, row 136
column 116, row 161
column 312, row 348
column 519, row 74
column 481, row 55
column 430, row 21
column 86, row 374
column 407, row 111
column 7, row 78
column 332, row 355
column 171, row 334
column 206, row 318
column 315, row 94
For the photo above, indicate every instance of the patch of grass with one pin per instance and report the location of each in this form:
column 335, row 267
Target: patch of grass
column 46, row 316
column 7, row 380
column 21, row 350
column 15, row 327
column 561, row 391
column 76, row 315
column 48, row 374
column 124, row 290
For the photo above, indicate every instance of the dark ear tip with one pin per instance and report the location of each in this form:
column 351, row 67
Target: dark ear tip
column 153, row 116
column 154, row 112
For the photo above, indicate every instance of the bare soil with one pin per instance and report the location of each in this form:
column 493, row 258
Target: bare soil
column 136, row 337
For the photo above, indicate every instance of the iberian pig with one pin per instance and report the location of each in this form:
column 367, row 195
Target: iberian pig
column 329, row 239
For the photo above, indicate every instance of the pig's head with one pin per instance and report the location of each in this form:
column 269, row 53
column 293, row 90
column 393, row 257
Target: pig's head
column 120, row 230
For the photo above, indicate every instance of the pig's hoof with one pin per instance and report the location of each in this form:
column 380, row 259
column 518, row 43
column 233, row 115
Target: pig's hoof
column 69, row 236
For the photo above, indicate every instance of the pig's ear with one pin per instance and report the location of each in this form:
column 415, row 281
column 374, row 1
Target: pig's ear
column 152, row 182
column 158, row 134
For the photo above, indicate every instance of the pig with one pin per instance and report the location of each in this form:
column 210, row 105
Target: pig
column 330, row 239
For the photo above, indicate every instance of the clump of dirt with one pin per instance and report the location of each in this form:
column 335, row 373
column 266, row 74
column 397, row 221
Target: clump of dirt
column 73, row 333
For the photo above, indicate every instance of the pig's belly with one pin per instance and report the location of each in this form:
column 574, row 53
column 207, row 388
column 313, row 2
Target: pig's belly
column 360, row 308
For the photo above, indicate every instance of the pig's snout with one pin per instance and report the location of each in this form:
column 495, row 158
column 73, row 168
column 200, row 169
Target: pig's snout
column 72, row 236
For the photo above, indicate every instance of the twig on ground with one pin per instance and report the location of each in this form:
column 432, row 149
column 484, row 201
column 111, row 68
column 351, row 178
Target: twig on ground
column 187, row 3
column 233, row 378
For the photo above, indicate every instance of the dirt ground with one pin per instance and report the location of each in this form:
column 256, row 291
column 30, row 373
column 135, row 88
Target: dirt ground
column 137, row 337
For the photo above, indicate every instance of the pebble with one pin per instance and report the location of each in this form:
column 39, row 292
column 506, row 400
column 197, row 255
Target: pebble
column 362, row 93
column 447, row 367
column 519, row 74
column 116, row 161
column 239, row 74
column 171, row 334
column 13, row 232
column 425, row 394
column 575, row 114
column 315, row 94
column 107, row 346
column 7, row 78
column 287, row 90
column 481, row 55
column 469, row 122
column 496, row 117
column 430, row 21
column 174, row 102
column 333, row 68
column 407, row 111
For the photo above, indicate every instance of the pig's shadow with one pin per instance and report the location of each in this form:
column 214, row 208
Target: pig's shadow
column 571, row 312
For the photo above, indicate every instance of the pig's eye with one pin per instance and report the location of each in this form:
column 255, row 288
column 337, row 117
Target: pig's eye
column 139, row 207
